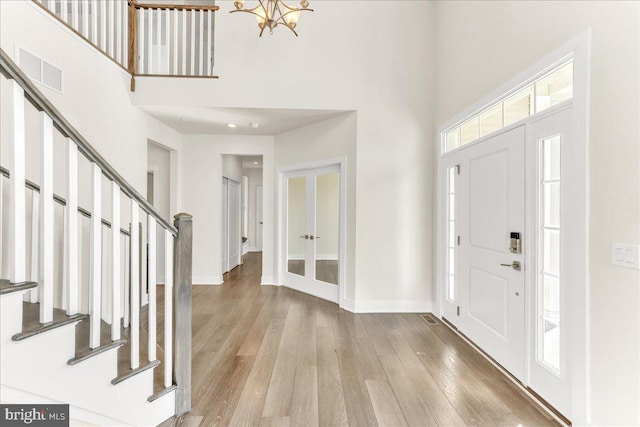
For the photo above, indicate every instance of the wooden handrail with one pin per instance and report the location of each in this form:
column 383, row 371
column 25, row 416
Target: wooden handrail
column 172, row 6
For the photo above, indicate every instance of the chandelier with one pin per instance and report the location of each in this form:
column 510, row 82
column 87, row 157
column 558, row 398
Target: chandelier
column 271, row 13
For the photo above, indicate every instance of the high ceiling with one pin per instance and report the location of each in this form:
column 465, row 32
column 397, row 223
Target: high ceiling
column 204, row 120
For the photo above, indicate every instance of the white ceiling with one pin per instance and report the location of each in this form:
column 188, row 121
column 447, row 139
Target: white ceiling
column 205, row 120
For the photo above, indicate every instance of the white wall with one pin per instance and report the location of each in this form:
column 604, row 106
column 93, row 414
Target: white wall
column 202, row 178
column 255, row 180
column 232, row 167
column 340, row 62
column 329, row 139
column 482, row 44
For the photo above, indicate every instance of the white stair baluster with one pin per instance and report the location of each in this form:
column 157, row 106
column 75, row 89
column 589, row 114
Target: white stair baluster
column 201, row 43
column 174, row 63
column 151, row 21
column 2, row 250
column 151, row 241
column 17, row 209
column 45, row 285
column 103, row 26
column 135, row 286
column 94, row 22
column 126, row 274
column 95, row 275
column 125, row 33
column 63, row 11
column 192, row 70
column 184, row 42
column 72, row 261
column 74, row 15
column 142, row 67
column 115, row 262
column 35, row 245
column 158, row 67
column 85, row 18
column 209, row 68
column 118, row 33
column 168, row 308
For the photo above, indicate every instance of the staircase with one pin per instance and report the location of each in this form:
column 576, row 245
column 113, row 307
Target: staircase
column 82, row 322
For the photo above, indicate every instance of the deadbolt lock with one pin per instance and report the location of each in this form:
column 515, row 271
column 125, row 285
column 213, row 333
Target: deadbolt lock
column 515, row 243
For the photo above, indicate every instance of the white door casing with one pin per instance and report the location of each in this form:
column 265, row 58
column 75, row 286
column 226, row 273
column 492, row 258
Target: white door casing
column 259, row 218
column 234, row 232
column 491, row 206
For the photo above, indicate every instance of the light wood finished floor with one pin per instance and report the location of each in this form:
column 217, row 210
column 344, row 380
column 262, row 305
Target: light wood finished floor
column 265, row 355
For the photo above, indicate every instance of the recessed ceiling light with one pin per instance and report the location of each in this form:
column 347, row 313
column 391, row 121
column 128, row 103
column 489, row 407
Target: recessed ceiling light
column 256, row 163
column 184, row 119
column 254, row 124
column 231, row 125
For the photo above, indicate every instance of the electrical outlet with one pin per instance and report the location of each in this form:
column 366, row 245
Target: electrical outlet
column 625, row 255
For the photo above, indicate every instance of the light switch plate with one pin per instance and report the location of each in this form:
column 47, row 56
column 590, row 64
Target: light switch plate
column 625, row 255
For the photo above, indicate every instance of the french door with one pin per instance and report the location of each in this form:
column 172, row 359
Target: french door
column 313, row 232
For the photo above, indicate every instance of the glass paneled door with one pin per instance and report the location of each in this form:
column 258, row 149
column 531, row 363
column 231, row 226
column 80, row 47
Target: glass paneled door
column 313, row 232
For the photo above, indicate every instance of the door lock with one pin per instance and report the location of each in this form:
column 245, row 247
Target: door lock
column 515, row 265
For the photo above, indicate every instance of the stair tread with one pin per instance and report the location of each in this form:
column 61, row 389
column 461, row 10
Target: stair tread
column 162, row 392
column 133, row 372
column 82, row 356
column 7, row 287
column 28, row 333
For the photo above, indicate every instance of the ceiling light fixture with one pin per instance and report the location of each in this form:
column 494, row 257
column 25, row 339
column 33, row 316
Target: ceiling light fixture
column 254, row 125
column 271, row 13
column 256, row 163
column 231, row 125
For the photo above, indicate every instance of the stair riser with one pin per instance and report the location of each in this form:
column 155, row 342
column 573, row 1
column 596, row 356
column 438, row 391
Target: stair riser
column 11, row 314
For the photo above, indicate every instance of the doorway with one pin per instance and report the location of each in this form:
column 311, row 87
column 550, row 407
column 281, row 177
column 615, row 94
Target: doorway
column 312, row 230
column 231, row 230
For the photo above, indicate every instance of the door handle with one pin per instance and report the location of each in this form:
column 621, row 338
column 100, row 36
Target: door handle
column 515, row 265
column 317, row 237
column 306, row 237
column 310, row 237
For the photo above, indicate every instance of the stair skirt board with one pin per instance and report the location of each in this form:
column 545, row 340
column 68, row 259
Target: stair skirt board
column 76, row 413
column 39, row 366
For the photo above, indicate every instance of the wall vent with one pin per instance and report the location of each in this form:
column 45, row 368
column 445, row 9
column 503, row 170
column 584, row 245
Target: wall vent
column 40, row 70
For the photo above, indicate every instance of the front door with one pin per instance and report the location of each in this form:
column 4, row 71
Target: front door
column 313, row 232
column 491, row 220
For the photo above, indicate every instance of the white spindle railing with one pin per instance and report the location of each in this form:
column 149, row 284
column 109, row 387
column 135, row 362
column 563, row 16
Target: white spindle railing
column 175, row 41
column 125, row 283
column 103, row 22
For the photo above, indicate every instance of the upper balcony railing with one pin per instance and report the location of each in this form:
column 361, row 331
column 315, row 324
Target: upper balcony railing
column 144, row 39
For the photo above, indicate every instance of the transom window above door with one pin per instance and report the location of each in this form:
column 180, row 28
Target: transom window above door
column 545, row 91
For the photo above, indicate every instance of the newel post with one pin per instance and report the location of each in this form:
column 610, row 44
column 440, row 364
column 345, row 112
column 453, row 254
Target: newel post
column 182, row 261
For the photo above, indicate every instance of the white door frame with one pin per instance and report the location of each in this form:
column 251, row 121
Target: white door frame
column 259, row 218
column 577, row 183
column 281, row 215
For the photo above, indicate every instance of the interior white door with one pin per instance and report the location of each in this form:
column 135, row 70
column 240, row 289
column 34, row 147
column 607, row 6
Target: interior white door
column 550, row 377
column 235, row 239
column 313, row 232
column 492, row 206
column 259, row 219
column 225, row 225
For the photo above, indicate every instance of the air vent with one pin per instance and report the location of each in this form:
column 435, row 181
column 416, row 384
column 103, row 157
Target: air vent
column 40, row 70
column 430, row 319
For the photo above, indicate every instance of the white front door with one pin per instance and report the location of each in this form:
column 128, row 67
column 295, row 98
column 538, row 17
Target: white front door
column 491, row 208
column 313, row 232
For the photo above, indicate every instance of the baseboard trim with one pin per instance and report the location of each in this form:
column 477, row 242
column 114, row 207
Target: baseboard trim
column 254, row 249
column 349, row 305
column 391, row 306
column 207, row 280
column 267, row 280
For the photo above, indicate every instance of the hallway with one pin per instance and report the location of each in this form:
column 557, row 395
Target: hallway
column 265, row 355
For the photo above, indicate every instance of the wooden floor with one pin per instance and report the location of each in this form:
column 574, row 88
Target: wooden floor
column 265, row 355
